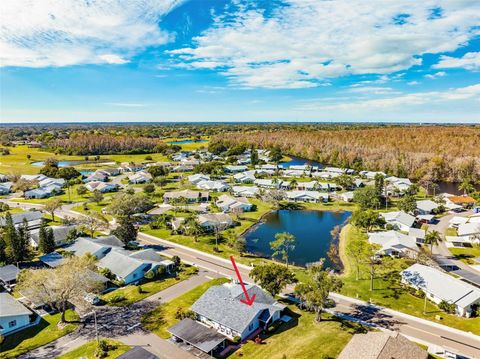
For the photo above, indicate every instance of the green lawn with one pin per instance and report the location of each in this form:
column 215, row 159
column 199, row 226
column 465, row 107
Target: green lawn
column 34, row 337
column 64, row 197
column 466, row 254
column 88, row 350
column 388, row 292
column 163, row 317
column 302, row 338
column 132, row 295
column 451, row 232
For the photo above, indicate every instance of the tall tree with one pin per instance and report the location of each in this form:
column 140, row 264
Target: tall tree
column 272, row 277
column 62, row 285
column 432, row 238
column 282, row 245
column 94, row 221
column 17, row 242
column 52, row 205
column 356, row 249
column 367, row 219
column 367, row 197
column 407, row 204
column 240, row 246
column 314, row 291
column 191, row 227
column 96, row 197
column 125, row 230
column 253, row 156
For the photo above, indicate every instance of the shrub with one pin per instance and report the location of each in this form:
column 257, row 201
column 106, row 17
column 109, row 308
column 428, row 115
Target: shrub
column 117, row 298
column 176, row 261
column 149, row 188
column 148, row 158
column 236, row 339
column 182, row 314
column 447, row 307
column 150, row 274
column 139, row 289
column 4, row 207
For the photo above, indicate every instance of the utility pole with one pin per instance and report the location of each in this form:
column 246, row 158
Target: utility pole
column 96, row 328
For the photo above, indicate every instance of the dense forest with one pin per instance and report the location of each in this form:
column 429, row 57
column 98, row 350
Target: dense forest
column 429, row 153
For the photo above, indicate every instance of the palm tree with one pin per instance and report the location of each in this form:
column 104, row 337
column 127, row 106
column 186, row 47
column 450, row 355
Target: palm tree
column 192, row 228
column 432, row 238
column 466, row 186
column 293, row 183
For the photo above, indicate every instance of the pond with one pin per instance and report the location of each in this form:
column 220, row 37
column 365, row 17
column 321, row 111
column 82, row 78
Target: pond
column 449, row 187
column 310, row 228
column 184, row 142
column 69, row 163
column 298, row 161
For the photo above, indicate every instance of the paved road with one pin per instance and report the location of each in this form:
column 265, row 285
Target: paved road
column 122, row 323
column 417, row 329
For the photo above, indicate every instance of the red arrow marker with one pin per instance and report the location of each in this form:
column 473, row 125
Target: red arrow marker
column 248, row 301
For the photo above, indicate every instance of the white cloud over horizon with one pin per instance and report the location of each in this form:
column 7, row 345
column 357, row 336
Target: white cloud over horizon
column 469, row 61
column 41, row 33
column 307, row 42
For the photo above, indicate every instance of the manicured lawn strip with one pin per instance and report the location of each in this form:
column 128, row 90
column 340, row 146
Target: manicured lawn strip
column 466, row 254
column 302, row 338
column 132, row 295
column 451, row 232
column 163, row 317
column 391, row 295
column 34, row 337
column 88, row 350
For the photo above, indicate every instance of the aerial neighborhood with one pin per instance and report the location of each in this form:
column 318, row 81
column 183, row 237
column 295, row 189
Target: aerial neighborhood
column 121, row 233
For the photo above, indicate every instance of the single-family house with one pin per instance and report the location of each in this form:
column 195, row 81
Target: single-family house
column 3, row 178
column 221, row 308
column 60, row 235
column 468, row 229
column 57, row 182
column 462, row 201
column 245, row 191
column 43, row 192
column 235, row 169
column 295, row 173
column 131, row 167
column 417, row 233
column 8, row 275
column 5, row 188
column 103, row 187
column 213, row 221
column 96, row 176
column 327, row 187
column 399, row 220
column 371, row 174
column 182, row 168
column 34, row 219
column 307, row 186
column 426, row 206
column 125, row 268
column 268, row 183
column 230, row 204
column 36, row 178
column 382, row 345
column 13, row 315
column 189, row 195
column 307, row 196
column 140, row 177
column 394, row 243
column 216, row 186
column 439, row 286
column 346, row 196
column 244, row 177
column 198, row 177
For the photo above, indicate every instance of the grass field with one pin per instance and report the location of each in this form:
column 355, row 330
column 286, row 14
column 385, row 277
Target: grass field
column 466, row 254
column 88, row 350
column 163, row 317
column 132, row 294
column 34, row 337
column 388, row 292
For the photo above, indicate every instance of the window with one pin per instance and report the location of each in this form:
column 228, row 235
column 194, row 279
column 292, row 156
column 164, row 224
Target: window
column 12, row 324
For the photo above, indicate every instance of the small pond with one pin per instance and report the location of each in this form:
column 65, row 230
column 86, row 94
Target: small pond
column 298, row 161
column 449, row 187
column 311, row 229
column 184, row 142
column 69, row 163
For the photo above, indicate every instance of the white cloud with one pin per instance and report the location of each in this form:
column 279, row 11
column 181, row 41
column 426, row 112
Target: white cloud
column 307, row 42
column 39, row 33
column 436, row 75
column 469, row 61
column 413, row 83
column 375, row 90
column 412, row 99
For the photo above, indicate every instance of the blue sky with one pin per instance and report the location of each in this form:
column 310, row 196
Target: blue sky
column 233, row 60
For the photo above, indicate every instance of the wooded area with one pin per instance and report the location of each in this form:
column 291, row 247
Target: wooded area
column 433, row 153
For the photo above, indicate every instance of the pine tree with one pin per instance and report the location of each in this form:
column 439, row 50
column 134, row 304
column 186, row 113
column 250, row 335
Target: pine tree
column 24, row 250
column 42, row 237
column 50, row 241
column 10, row 237
column 125, row 230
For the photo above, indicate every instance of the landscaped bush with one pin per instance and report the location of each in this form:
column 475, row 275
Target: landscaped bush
column 236, row 339
column 447, row 307
column 182, row 314
column 117, row 299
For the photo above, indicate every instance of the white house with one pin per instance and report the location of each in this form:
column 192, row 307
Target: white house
column 229, row 204
column 97, row 176
column 5, row 187
column 216, row 186
column 103, row 187
column 346, row 196
column 198, row 177
column 439, row 286
column 426, row 206
column 13, row 315
column 211, row 221
column 140, row 177
column 399, row 220
column 307, row 196
column 371, row 174
column 244, row 177
column 394, row 243
column 60, row 234
column 268, row 183
column 235, row 169
column 245, row 191
column 307, row 186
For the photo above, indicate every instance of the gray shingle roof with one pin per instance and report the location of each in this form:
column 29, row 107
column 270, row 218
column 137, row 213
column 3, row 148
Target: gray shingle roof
column 18, row 217
column 222, row 304
column 196, row 334
column 120, row 263
column 10, row 306
column 8, row 273
column 59, row 233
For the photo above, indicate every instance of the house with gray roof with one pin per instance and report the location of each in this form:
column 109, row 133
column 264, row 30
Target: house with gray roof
column 8, row 275
column 5, row 187
column 399, row 220
column 394, row 243
column 13, row 315
column 189, row 195
column 34, row 219
column 426, row 206
column 439, row 286
column 60, row 234
column 220, row 307
column 125, row 268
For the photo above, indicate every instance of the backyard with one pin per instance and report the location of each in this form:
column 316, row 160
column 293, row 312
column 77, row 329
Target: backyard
column 88, row 350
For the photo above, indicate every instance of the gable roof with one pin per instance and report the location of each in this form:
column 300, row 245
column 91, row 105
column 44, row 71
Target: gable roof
column 221, row 303
column 394, row 240
column 11, row 307
column 400, row 217
column 8, row 273
column 60, row 233
column 120, row 263
column 17, row 218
